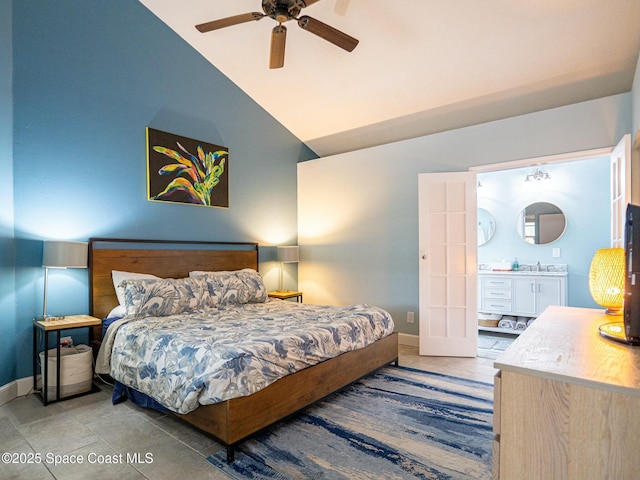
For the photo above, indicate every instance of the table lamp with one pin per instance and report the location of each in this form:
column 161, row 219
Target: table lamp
column 61, row 254
column 606, row 279
column 286, row 255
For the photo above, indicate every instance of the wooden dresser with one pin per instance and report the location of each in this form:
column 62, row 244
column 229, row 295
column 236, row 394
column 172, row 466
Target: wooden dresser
column 567, row 402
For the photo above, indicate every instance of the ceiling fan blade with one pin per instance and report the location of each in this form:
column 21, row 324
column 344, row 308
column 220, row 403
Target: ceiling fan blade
column 278, row 41
column 327, row 32
column 309, row 2
column 229, row 21
column 341, row 7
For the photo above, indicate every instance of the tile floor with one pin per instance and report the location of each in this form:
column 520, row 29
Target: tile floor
column 103, row 435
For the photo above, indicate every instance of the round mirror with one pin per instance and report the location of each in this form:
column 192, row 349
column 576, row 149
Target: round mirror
column 541, row 223
column 486, row 226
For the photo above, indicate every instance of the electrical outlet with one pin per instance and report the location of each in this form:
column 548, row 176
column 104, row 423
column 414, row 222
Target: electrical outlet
column 410, row 317
column 555, row 253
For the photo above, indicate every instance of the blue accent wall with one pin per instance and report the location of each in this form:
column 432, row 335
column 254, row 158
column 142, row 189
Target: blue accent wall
column 86, row 83
column 7, row 277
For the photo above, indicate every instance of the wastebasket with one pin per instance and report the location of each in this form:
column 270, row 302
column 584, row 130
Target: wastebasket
column 76, row 372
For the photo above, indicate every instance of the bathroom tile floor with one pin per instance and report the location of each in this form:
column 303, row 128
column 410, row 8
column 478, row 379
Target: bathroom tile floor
column 491, row 345
column 158, row 445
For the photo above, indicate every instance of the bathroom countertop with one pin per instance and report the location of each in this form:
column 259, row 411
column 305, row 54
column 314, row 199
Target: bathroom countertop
column 523, row 273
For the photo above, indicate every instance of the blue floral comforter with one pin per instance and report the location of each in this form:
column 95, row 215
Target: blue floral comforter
column 212, row 355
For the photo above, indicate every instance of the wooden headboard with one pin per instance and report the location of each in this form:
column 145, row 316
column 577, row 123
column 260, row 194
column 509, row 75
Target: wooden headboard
column 163, row 258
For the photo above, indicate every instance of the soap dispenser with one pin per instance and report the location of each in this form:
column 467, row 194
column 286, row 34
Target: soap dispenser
column 515, row 265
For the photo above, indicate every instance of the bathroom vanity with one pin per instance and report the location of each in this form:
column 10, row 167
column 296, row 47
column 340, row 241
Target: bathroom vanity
column 520, row 294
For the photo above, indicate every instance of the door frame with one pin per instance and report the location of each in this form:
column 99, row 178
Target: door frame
column 566, row 157
column 545, row 160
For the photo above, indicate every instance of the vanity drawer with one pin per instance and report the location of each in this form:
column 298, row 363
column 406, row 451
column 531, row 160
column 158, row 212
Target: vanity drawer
column 495, row 305
column 496, row 283
column 498, row 293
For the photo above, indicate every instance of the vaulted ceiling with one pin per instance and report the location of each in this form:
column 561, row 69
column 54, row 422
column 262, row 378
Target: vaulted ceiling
column 422, row 66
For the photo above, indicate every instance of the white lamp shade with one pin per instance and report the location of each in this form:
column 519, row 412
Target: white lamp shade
column 58, row 254
column 288, row 254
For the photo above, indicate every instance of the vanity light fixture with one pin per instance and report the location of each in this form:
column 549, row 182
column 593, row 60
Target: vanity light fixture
column 606, row 279
column 537, row 175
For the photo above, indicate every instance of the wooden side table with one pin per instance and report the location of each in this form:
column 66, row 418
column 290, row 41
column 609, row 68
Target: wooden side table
column 283, row 295
column 57, row 324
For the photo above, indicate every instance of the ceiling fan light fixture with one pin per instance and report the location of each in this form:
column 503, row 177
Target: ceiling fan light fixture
column 282, row 10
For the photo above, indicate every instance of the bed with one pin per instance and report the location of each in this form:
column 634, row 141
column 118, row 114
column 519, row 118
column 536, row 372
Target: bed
column 231, row 420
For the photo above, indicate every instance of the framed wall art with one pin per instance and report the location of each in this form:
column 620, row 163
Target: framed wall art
column 184, row 170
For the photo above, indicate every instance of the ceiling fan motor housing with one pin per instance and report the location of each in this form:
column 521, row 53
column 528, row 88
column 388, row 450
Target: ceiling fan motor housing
column 282, row 10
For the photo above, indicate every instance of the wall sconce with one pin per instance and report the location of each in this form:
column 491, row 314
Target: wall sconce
column 56, row 254
column 606, row 279
column 537, row 175
column 286, row 255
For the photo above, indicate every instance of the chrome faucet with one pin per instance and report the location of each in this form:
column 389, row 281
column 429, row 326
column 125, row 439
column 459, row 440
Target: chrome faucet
column 538, row 266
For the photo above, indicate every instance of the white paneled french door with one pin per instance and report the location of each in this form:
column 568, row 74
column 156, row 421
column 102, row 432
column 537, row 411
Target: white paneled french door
column 620, row 189
column 448, row 253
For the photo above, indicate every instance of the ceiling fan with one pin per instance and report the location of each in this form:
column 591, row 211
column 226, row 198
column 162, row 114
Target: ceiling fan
column 282, row 11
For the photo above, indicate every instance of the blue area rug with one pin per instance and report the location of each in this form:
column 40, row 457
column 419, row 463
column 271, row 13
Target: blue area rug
column 394, row 424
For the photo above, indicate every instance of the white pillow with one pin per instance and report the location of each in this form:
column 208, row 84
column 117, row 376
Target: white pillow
column 118, row 277
column 118, row 312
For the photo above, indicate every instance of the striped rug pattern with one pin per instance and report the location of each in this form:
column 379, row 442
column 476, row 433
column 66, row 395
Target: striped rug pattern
column 397, row 423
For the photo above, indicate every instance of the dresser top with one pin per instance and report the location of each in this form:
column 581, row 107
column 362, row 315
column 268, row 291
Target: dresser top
column 564, row 344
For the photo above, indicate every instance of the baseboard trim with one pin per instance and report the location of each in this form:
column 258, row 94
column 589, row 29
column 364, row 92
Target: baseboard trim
column 409, row 340
column 15, row 389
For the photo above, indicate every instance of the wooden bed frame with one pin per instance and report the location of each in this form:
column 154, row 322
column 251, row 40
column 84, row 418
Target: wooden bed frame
column 231, row 421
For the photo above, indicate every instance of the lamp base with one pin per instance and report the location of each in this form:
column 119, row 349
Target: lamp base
column 615, row 331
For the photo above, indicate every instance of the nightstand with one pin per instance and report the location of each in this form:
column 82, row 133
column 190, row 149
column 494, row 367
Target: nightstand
column 286, row 294
column 57, row 324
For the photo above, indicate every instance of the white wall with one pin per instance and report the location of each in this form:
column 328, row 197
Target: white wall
column 358, row 211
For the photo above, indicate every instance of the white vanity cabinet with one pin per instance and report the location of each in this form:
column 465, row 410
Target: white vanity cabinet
column 534, row 294
column 521, row 294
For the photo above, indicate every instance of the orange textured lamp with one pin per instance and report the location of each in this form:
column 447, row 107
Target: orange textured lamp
column 606, row 279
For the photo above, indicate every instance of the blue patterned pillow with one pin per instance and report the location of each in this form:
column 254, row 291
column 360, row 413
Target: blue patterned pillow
column 163, row 297
column 234, row 287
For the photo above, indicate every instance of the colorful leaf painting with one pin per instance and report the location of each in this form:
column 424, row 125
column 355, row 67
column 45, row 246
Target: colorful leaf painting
column 194, row 176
